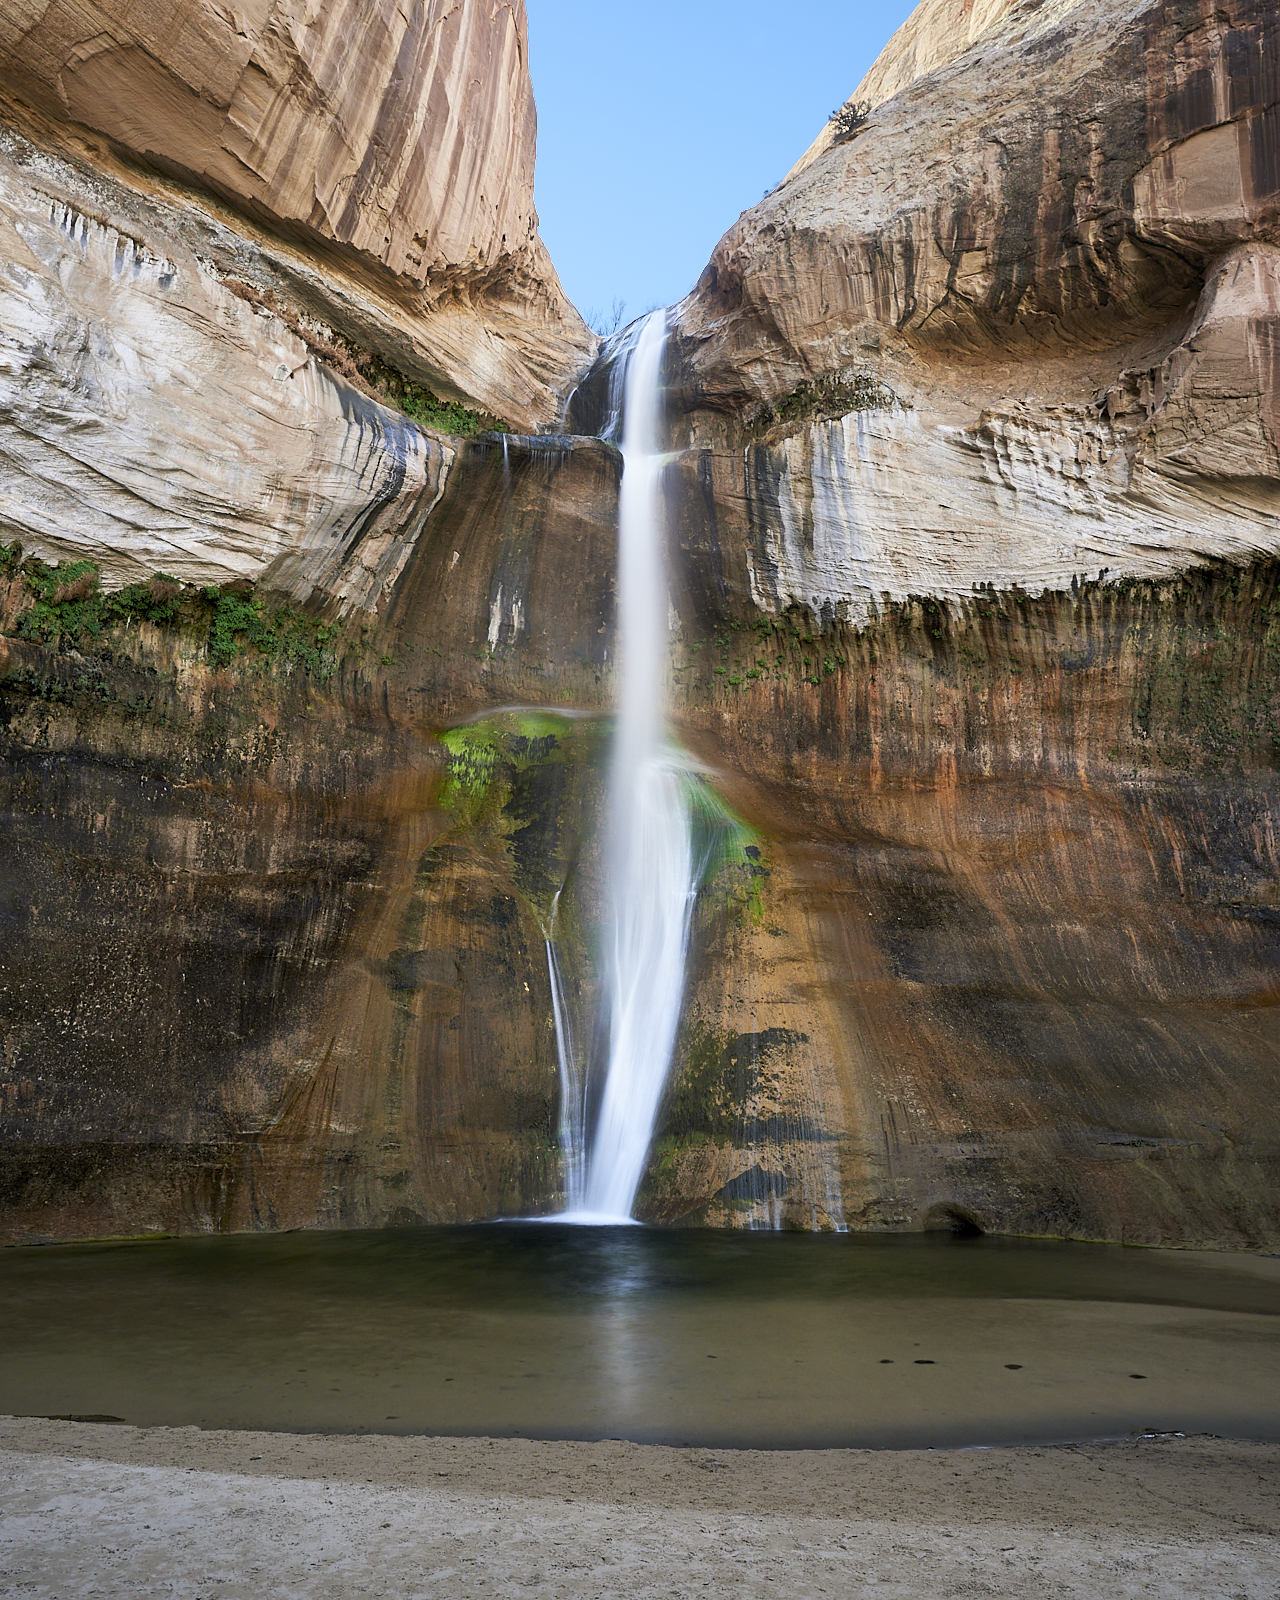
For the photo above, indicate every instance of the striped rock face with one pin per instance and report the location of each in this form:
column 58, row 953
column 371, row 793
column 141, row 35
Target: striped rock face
column 1019, row 327
column 394, row 145
column 224, row 233
column 973, row 522
column 407, row 134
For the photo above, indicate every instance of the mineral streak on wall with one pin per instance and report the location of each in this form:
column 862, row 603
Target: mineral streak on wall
column 403, row 133
column 156, row 420
column 1006, row 943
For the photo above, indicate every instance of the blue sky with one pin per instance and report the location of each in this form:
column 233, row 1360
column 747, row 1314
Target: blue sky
column 659, row 121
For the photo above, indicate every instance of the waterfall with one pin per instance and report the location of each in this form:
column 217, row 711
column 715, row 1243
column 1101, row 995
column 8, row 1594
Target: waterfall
column 650, row 865
column 573, row 1116
column 666, row 832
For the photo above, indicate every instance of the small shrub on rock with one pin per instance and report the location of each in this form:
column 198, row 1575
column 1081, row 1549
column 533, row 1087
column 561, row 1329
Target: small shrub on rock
column 847, row 121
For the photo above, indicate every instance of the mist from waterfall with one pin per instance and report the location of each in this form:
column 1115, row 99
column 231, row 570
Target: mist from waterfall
column 650, row 868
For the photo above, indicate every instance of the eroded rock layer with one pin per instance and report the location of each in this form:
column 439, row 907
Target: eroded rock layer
column 1045, row 356
column 999, row 942
column 259, row 968
column 1023, row 897
column 406, row 133
column 152, row 417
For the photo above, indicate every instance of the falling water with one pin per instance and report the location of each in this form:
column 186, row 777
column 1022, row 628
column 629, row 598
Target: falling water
column 650, row 865
column 667, row 833
column 573, row 1111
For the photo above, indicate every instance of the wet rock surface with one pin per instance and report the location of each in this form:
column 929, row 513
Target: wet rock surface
column 258, row 917
column 1021, row 898
column 998, row 933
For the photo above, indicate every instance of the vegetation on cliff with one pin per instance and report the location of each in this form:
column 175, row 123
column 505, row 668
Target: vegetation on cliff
column 369, row 372
column 1201, row 653
column 826, row 398
column 64, row 604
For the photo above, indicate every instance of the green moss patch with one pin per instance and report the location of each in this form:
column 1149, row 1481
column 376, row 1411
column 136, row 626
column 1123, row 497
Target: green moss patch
column 419, row 404
column 240, row 623
column 777, row 650
column 729, row 853
column 64, row 603
column 722, row 1079
column 524, row 778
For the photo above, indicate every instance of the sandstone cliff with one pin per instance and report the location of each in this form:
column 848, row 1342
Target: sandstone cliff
column 404, row 134
column 1017, row 330
column 973, row 525
column 154, row 417
column 237, row 250
column 936, row 32
column 1001, row 944
column 395, row 145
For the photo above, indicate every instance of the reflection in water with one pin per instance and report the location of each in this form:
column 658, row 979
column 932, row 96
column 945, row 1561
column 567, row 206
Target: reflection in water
column 626, row 1285
column 669, row 1336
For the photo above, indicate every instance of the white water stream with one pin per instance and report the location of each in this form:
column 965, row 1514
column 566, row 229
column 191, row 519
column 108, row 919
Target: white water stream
column 573, row 1106
column 650, row 867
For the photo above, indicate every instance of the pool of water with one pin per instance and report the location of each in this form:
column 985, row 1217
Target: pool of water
column 677, row 1337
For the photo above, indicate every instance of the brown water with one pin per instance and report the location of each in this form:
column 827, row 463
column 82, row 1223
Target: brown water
column 662, row 1336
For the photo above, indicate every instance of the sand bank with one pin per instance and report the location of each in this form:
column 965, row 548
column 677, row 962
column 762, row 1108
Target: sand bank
column 88, row 1509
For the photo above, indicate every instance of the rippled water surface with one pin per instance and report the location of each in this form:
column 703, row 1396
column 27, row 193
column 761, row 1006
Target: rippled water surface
column 664, row 1336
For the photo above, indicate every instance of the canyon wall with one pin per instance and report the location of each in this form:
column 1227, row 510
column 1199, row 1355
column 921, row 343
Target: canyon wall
column 380, row 158
column 935, row 33
column 979, row 505
column 271, row 950
column 404, row 136
column 974, row 533
column 996, row 942
column 256, row 269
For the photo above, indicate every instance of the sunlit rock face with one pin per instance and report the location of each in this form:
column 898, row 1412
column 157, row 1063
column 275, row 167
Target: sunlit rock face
column 935, row 33
column 380, row 159
column 154, row 420
column 219, row 236
column 975, row 520
column 1045, row 356
column 406, row 134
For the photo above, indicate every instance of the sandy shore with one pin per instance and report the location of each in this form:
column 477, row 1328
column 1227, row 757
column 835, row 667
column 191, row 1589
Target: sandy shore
column 88, row 1509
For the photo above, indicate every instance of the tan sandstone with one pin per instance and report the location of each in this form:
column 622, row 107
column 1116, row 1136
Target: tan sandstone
column 974, row 527
column 396, row 147
column 1044, row 278
column 936, row 32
